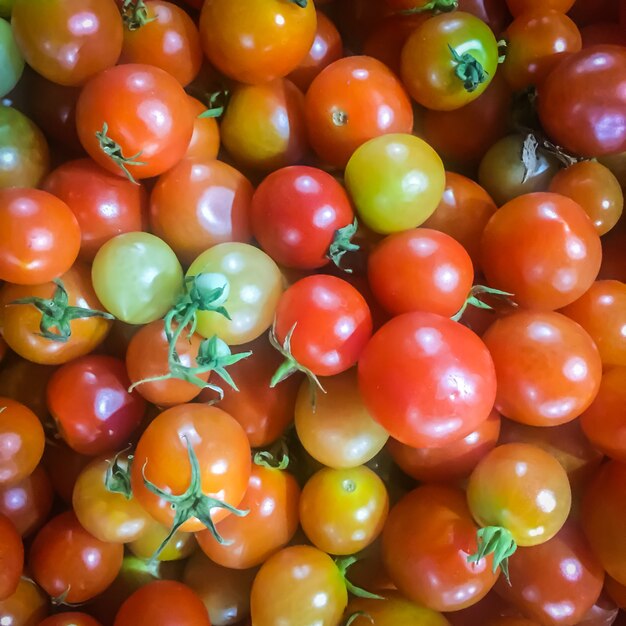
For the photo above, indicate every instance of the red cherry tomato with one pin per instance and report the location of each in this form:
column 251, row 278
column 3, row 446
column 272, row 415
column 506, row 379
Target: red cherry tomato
column 70, row 619
column 11, row 556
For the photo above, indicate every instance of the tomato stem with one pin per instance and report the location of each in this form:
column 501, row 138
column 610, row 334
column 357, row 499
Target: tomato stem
column 498, row 541
column 468, row 69
column 301, row 3
column 114, row 151
column 277, row 457
column 217, row 102
column 342, row 243
column 344, row 563
column 117, row 477
column 437, row 6
column 473, row 299
column 135, row 14
column 354, row 616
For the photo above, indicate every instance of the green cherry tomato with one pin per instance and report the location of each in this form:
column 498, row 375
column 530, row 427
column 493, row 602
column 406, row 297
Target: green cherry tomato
column 137, row 277
column 396, row 182
column 11, row 59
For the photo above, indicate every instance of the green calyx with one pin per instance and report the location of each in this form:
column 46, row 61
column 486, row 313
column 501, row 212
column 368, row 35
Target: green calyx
column 343, row 564
column 192, row 503
column 57, row 315
column 355, row 616
column 342, row 243
column 277, row 457
column 217, row 102
column 117, row 476
column 497, row 541
column 468, row 69
column 301, row 3
column 474, row 300
column 436, row 6
column 114, row 151
column 135, row 14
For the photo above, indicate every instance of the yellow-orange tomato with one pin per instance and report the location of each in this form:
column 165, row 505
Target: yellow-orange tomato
column 393, row 610
column 179, row 547
column 205, row 140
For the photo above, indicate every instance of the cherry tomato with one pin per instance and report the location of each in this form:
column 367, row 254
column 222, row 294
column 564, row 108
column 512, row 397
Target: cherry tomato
column 449, row 60
column 395, row 181
column 89, row 400
column 28, row 503
column 26, row 607
column 428, row 380
column 124, row 272
column 317, row 591
column 70, row 619
column 22, row 442
column 433, row 263
column 167, row 38
column 68, row 42
column 296, row 213
column 12, row 556
column 104, row 205
column 163, row 603
column 67, row 561
column 451, row 462
column 575, row 116
column 263, row 127
column 39, row 236
column 22, row 323
column 25, row 157
column 272, row 498
column 198, row 204
column 351, row 101
column 517, row 7
column 426, row 541
column 11, row 57
column 523, row 489
column 547, row 366
column 596, row 189
column 259, row 42
column 178, row 547
column 205, row 140
column 142, row 134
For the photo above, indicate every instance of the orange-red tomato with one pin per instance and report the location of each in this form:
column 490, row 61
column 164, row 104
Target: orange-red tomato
column 205, row 140
column 12, row 555
column 517, row 7
column 28, row 605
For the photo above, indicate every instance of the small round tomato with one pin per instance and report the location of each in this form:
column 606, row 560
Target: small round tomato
column 25, row 156
column 89, row 400
column 27, row 606
column 105, row 205
column 449, row 60
column 317, row 591
column 427, row 540
column 43, row 328
column 68, row 562
column 163, row 603
column 537, row 40
column 198, row 204
column 395, row 181
column 205, row 140
column 39, row 236
column 68, row 41
column 437, row 267
column 351, row 101
column 11, row 59
column 547, row 366
column 28, row 502
column 523, row 489
column 542, row 248
column 272, row 500
column 595, row 188
column 177, row 547
column 142, row 134
column 137, row 277
column 263, row 127
column 21, row 441
column 296, row 213
column 428, row 380
column 164, row 36
column 12, row 555
column 266, row 41
column 254, row 285
column 517, row 7
column 70, row 619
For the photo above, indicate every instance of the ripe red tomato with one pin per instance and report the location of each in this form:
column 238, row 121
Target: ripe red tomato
column 143, row 132
column 39, row 236
column 70, row 619
column 296, row 213
column 428, row 380
column 11, row 556
column 89, row 400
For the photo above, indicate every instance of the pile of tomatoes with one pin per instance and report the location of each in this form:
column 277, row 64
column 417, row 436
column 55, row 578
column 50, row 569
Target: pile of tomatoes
column 312, row 313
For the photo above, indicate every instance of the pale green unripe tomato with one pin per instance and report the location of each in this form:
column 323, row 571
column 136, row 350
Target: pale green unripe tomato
column 11, row 59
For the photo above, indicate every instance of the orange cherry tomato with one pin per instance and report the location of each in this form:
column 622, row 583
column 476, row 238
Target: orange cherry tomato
column 205, row 140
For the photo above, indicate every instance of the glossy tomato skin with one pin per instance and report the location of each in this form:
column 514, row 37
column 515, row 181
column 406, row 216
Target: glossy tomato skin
column 532, row 504
column 295, row 213
column 27, row 215
column 426, row 541
column 178, row 548
column 72, row 618
column 198, row 204
column 223, row 453
column 104, row 204
column 393, row 609
column 68, row 42
column 163, row 603
column 153, row 123
column 542, row 248
column 438, row 269
column 28, row 605
column 556, row 582
column 205, row 140
column 428, row 65
column 427, row 380
column 12, row 60
column 351, row 101
column 272, row 498
column 332, row 323
column 12, row 556
column 66, row 559
column 90, row 403
column 573, row 115
column 20, row 323
column 547, row 366
column 281, row 35
column 517, row 7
